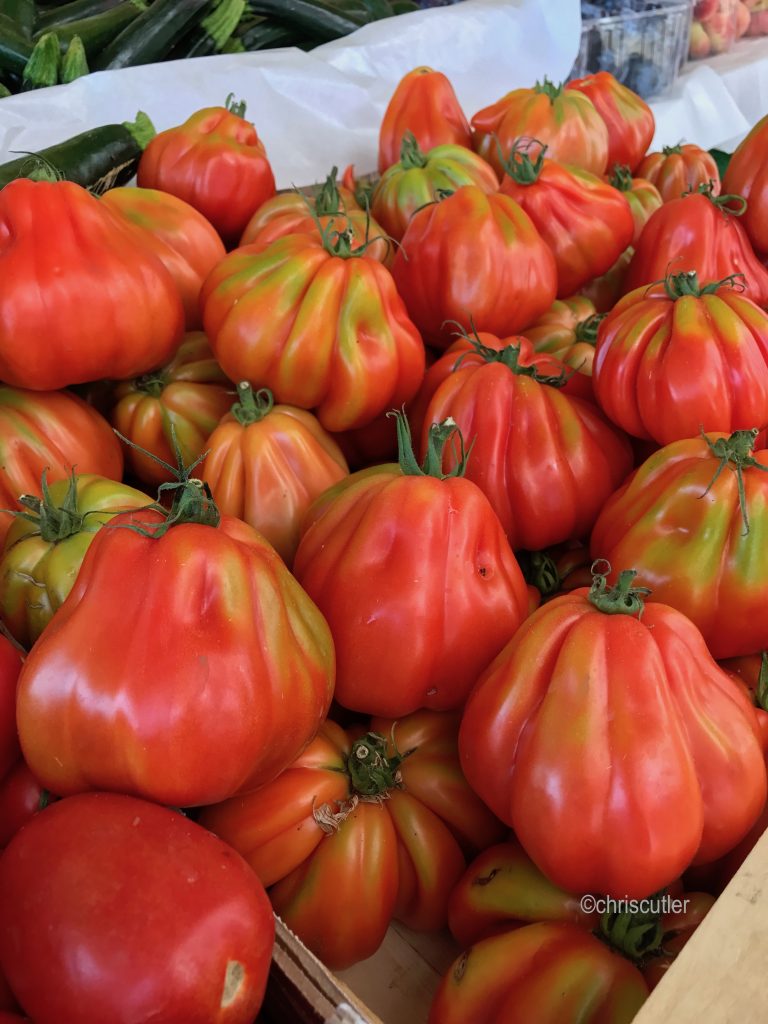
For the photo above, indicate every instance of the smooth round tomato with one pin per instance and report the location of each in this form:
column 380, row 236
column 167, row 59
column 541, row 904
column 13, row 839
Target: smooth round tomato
column 679, row 169
column 550, row 973
column 747, row 175
column 562, row 736
column 628, row 118
column 115, row 909
column 21, row 796
column 362, row 828
column 44, row 549
column 10, row 666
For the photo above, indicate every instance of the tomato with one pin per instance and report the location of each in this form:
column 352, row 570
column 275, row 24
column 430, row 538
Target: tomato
column 10, row 666
column 747, row 175
column 332, row 208
column 628, row 118
column 546, row 461
column 501, row 889
column 266, row 464
column 702, row 234
column 337, row 339
column 643, row 197
column 563, row 737
column 63, row 252
column 188, row 396
column 182, row 239
column 568, row 331
column 401, row 547
column 425, row 104
column 679, row 520
column 52, row 431
column 45, row 547
column 597, row 218
column 214, row 161
column 115, row 909
column 223, row 690
column 363, row 827
column 679, row 169
column 647, row 345
column 715, row 876
column 678, row 927
column 513, row 277
column 565, row 120
column 21, row 796
column 605, row 291
column 418, row 178
column 550, row 973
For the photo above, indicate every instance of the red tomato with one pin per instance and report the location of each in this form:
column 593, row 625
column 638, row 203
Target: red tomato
column 702, row 234
column 643, row 197
column 425, row 104
column 182, row 239
column 628, row 118
column 216, row 162
column 21, row 796
column 115, row 909
column 562, row 737
column 597, row 218
column 551, row 973
column 679, row 169
column 338, row 341
column 568, row 331
column 679, row 520
column 473, row 259
column 218, row 697
column 647, row 345
column 566, row 120
column 63, row 252
column 382, row 553
column 605, row 291
column 267, row 463
column 361, row 829
column 10, row 666
column 747, row 175
column 186, row 397
column 51, row 431
column 546, row 461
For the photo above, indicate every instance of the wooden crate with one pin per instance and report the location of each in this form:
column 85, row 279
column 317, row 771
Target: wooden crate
column 717, row 979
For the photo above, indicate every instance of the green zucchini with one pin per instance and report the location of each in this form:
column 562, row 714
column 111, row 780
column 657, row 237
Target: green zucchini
column 152, row 35
column 99, row 30
column 74, row 62
column 22, row 13
column 213, row 32
column 42, row 68
column 98, row 159
column 76, row 10
column 310, row 16
column 268, row 36
column 15, row 50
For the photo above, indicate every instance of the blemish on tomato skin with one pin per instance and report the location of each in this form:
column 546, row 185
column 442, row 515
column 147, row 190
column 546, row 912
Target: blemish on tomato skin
column 234, row 979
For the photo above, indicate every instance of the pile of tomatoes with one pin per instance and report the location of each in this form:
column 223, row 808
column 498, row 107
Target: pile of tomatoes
column 511, row 660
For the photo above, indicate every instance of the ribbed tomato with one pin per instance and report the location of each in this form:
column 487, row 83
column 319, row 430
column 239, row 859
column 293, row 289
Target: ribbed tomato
column 648, row 344
column 425, row 104
column 267, row 463
column 679, row 169
column 643, row 197
column 10, row 666
column 382, row 553
column 186, row 398
column 362, row 828
column 563, row 736
column 747, row 175
column 628, row 118
column 566, row 120
column 568, row 331
column 585, row 222
column 477, row 259
column 682, row 522
column 605, row 291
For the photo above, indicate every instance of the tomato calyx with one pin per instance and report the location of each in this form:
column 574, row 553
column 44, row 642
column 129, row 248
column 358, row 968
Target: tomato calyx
column 328, row 200
column 677, row 286
column 236, row 107
column 152, row 384
column 439, row 436
column 549, row 89
column 411, row 155
column 638, row 936
column 672, row 150
column 586, row 330
column 621, row 178
column 540, row 570
column 736, row 453
column 54, row 522
column 729, row 205
column 251, row 408
column 518, row 165
column 509, row 356
column 621, row 599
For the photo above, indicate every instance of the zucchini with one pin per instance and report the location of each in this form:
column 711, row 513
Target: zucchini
column 74, row 63
column 267, row 36
column 22, row 13
column 98, row 159
column 15, row 50
column 213, row 32
column 308, row 16
column 99, row 30
column 152, row 35
column 42, row 68
column 76, row 10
